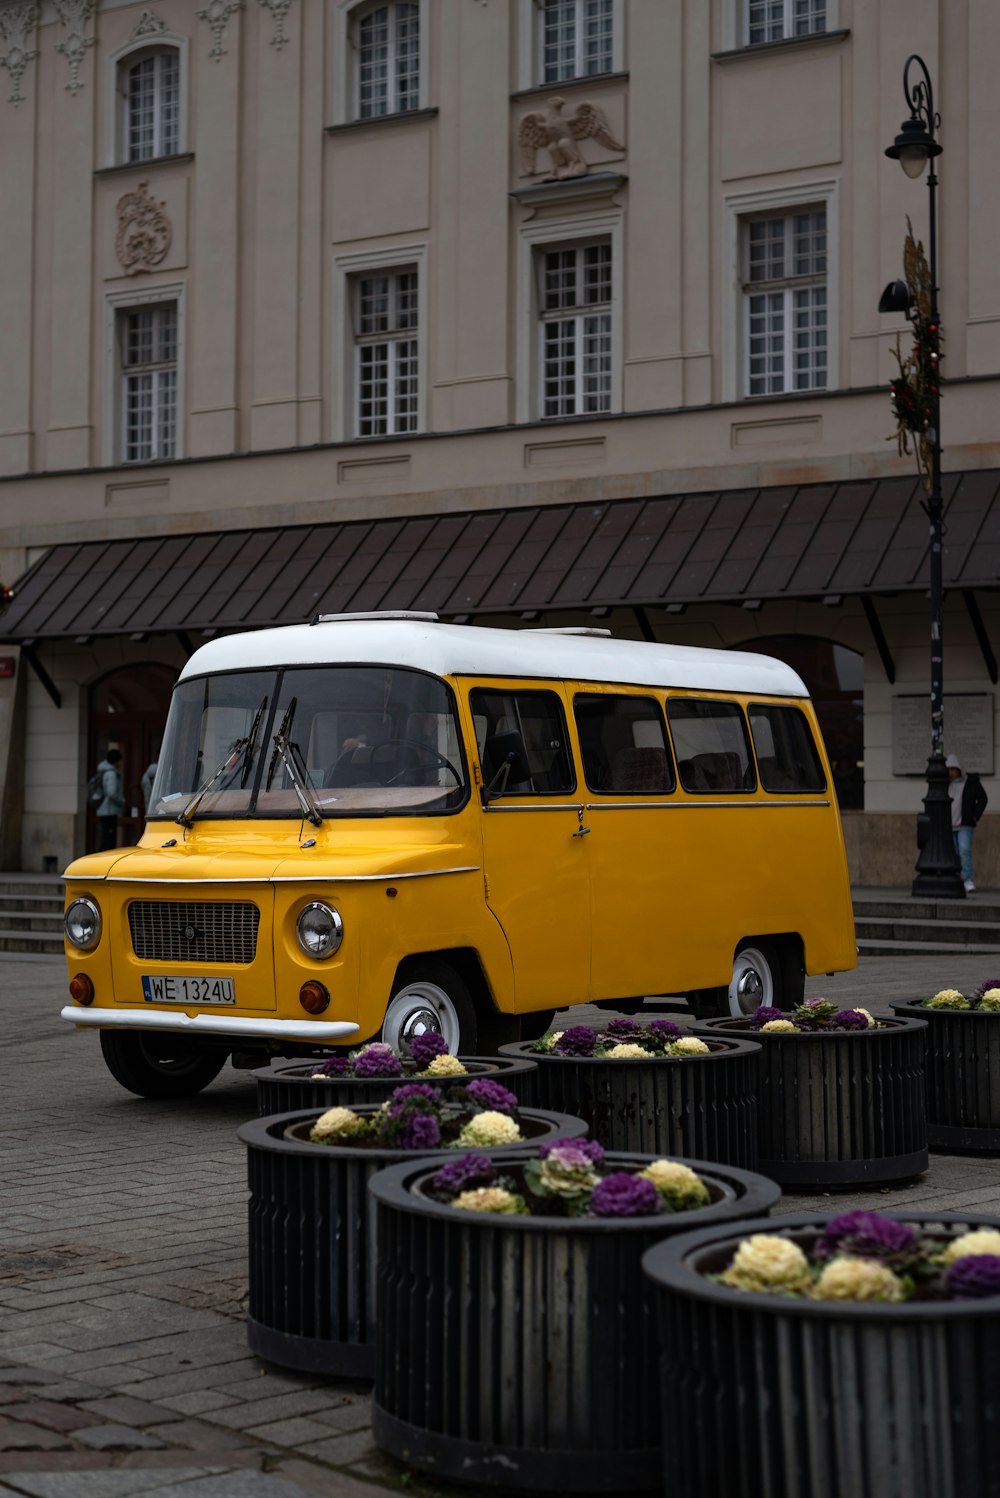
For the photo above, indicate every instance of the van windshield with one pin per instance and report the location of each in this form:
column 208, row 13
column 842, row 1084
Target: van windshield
column 333, row 741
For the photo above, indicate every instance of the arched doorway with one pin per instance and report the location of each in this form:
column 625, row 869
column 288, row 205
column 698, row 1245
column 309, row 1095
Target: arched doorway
column 128, row 710
column 835, row 677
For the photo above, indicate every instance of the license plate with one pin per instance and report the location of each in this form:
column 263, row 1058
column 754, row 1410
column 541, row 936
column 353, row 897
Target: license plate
column 160, row 989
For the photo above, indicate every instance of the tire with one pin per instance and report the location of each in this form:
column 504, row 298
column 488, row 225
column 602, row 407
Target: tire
column 159, row 1064
column 534, row 1026
column 762, row 974
column 430, row 995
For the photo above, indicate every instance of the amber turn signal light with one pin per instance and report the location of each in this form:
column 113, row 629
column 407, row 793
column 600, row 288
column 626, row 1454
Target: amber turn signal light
column 314, row 997
column 81, row 989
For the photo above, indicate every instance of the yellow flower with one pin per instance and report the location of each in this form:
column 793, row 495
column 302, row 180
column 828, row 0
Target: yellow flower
column 491, row 1199
column 948, row 998
column 858, row 1279
column 781, row 1027
column 768, row 1264
column 688, row 1045
column 990, row 999
column 983, row 1241
column 338, row 1123
column 489, row 1128
column 444, row 1066
column 677, row 1183
column 627, row 1051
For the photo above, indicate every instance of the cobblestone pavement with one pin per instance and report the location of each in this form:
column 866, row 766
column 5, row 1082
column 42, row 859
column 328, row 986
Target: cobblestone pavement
column 123, row 1360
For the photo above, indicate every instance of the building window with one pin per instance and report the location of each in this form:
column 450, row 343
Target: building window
column 151, row 105
column 575, row 337
column 387, row 58
column 778, row 20
column 576, row 39
column 785, row 302
column 386, row 316
column 148, row 356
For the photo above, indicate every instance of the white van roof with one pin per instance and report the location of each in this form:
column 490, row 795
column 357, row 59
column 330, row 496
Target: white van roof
column 469, row 650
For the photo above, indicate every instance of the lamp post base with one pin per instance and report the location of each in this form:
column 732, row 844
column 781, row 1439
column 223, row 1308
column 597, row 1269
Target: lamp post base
column 939, row 873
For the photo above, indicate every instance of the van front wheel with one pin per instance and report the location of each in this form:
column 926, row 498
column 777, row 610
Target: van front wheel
column 158, row 1064
column 431, row 996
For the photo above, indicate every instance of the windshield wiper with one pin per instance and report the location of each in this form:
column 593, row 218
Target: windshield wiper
column 299, row 778
column 251, row 743
column 230, row 762
column 283, row 732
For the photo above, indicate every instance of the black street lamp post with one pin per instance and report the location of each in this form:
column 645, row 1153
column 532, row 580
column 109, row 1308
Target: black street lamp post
column 938, row 871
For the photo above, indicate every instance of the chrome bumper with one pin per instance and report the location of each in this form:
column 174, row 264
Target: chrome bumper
column 210, row 1024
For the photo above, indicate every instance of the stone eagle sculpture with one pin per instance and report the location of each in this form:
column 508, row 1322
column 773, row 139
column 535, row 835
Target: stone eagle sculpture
column 558, row 134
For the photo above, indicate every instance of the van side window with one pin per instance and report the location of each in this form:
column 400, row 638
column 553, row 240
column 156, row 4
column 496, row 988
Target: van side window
column 526, row 732
column 787, row 757
column 711, row 744
column 623, row 742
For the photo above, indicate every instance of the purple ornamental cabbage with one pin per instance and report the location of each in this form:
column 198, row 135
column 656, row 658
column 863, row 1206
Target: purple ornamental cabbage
column 490, row 1094
column 869, row 1235
column 377, row 1061
column 588, row 1147
column 334, row 1066
column 624, row 1029
column 420, row 1132
column 409, row 1090
column 974, row 1277
column 461, row 1174
column 665, row 1029
column 624, row 1195
column 763, row 1015
column 985, row 987
column 849, row 1019
column 423, row 1048
column 578, row 1040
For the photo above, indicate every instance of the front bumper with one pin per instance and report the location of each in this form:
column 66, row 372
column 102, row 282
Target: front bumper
column 238, row 1027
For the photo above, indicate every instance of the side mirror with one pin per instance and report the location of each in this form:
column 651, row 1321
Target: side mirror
column 507, row 753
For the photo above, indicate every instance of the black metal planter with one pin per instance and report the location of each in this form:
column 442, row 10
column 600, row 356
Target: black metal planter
column 312, row 1240
column 283, row 1087
column 815, row 1399
column 839, row 1108
column 520, row 1352
column 703, row 1106
column 963, row 1076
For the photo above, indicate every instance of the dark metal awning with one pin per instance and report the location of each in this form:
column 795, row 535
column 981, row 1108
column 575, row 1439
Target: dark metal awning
column 805, row 541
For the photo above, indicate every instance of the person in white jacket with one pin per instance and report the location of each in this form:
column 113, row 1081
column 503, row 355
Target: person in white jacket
column 113, row 804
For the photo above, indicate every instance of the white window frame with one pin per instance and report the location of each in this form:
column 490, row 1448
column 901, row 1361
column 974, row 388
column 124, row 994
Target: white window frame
column 530, row 58
column 116, row 305
column 736, row 25
column 533, row 240
column 577, row 314
column 348, row 270
column 345, row 87
column 740, row 207
column 116, row 114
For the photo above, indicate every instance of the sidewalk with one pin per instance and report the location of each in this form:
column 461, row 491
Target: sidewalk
column 123, row 1360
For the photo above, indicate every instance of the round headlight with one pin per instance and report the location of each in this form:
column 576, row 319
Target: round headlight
column 319, row 930
column 82, row 924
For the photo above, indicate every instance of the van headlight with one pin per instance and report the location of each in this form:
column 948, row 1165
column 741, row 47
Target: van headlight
column 319, row 930
column 82, row 924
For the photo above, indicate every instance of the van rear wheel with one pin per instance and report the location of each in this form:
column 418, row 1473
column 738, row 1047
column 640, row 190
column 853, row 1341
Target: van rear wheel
column 431, row 996
column 760, row 976
column 159, row 1064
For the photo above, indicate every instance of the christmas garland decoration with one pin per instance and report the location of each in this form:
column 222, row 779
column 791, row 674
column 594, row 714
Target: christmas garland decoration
column 917, row 389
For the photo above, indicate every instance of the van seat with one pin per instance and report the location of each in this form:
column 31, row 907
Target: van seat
column 640, row 770
column 712, row 772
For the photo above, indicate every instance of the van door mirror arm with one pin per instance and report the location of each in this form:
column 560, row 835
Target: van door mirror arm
column 498, row 783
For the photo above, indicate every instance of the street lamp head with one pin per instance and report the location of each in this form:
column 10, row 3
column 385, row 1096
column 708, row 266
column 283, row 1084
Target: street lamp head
column 897, row 297
column 913, row 147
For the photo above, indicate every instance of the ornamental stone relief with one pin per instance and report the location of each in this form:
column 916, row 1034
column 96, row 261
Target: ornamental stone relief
column 558, row 134
column 148, row 24
column 74, row 16
column 17, row 23
column 279, row 13
column 144, row 231
column 216, row 13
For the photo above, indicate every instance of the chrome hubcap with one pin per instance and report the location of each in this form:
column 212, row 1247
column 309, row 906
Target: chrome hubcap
column 419, row 1022
column 750, row 989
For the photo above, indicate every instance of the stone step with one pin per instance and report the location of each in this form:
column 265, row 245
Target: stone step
column 951, row 933
column 975, row 910
column 38, row 886
column 31, row 920
column 878, row 947
column 39, row 942
column 36, row 904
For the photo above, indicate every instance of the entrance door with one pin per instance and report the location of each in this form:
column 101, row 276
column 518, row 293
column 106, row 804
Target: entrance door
column 128, row 711
column 535, row 860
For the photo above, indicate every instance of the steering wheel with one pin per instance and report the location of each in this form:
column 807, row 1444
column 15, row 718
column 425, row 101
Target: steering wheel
column 421, row 748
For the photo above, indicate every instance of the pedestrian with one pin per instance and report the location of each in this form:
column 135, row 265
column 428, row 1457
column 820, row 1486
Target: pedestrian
column 968, row 802
column 146, row 785
column 112, row 804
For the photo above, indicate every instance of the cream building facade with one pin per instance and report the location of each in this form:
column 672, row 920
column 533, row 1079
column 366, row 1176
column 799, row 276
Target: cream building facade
column 558, row 311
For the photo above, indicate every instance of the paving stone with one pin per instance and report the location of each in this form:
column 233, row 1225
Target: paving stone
column 243, row 1485
column 51, row 1416
column 295, row 1431
column 103, row 1484
column 117, row 1438
column 123, row 1410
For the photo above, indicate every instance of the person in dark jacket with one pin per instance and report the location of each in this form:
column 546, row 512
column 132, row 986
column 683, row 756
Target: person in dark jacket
column 968, row 802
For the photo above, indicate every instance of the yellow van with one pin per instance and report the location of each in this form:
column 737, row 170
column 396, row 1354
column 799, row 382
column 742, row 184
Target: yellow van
column 375, row 825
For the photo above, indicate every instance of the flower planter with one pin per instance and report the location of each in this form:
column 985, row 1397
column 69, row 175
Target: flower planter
column 963, row 1076
column 284, row 1088
column 821, row 1399
column 519, row 1352
column 838, row 1108
column 700, row 1106
column 312, row 1239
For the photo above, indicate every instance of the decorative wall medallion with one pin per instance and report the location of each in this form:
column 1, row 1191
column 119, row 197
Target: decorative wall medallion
column 558, row 134
column 148, row 24
column 144, row 231
column 17, row 22
column 217, row 13
column 75, row 16
column 279, row 11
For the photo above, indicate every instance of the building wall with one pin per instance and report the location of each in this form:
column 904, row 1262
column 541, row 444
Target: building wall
column 278, row 195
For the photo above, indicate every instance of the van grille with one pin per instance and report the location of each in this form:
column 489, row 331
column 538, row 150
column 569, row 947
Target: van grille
column 190, row 931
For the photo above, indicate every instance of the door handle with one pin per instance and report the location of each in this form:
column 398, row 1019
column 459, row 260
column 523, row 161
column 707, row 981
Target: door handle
column 582, row 831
